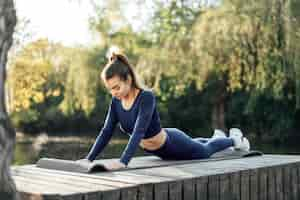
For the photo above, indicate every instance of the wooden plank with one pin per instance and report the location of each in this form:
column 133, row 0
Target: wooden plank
column 39, row 191
column 271, row 179
column 245, row 185
column 31, row 196
column 279, row 183
column 286, row 182
column 68, row 180
column 175, row 190
column 208, row 168
column 145, row 191
column 235, row 183
column 130, row 193
column 253, row 184
column 100, row 178
column 298, row 179
column 117, row 178
column 170, row 173
column 89, row 193
column 202, row 188
column 161, row 191
column 65, row 191
column 184, row 171
column 113, row 179
column 91, row 196
column 225, row 187
column 60, row 189
column 189, row 189
column 139, row 178
column 294, row 182
column 262, row 184
column 214, row 187
column 111, row 195
column 36, row 189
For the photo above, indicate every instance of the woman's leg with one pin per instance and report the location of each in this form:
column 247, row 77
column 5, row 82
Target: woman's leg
column 201, row 139
column 217, row 134
column 212, row 146
column 218, row 144
column 180, row 146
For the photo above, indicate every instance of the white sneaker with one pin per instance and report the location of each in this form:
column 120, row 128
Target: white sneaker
column 218, row 134
column 235, row 132
column 237, row 136
column 240, row 142
column 245, row 144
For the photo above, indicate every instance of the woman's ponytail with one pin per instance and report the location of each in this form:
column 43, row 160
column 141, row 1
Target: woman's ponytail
column 115, row 53
column 119, row 65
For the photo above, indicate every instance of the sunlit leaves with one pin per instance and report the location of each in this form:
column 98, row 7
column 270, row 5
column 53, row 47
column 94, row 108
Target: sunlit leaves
column 43, row 70
column 247, row 42
column 27, row 78
column 79, row 85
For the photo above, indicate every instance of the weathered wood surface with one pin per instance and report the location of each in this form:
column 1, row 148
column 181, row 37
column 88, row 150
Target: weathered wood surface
column 263, row 177
column 137, row 163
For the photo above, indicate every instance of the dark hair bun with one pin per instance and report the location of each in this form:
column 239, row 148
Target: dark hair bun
column 113, row 53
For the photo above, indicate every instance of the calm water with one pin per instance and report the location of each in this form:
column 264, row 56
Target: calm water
column 29, row 149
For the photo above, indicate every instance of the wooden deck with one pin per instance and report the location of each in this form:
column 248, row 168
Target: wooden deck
column 268, row 177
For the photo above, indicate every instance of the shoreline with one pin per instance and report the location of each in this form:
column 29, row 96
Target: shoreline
column 44, row 138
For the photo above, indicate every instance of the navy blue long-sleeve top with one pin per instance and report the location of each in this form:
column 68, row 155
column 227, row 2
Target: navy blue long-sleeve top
column 141, row 121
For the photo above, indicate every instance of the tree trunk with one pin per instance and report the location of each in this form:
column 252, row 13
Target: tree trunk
column 7, row 134
column 218, row 116
column 218, row 110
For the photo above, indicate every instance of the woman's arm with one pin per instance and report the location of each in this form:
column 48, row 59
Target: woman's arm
column 105, row 133
column 146, row 109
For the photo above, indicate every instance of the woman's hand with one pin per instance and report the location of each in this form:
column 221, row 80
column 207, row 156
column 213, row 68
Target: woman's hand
column 114, row 165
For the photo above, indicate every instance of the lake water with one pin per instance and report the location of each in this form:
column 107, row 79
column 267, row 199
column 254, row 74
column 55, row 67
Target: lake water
column 29, row 149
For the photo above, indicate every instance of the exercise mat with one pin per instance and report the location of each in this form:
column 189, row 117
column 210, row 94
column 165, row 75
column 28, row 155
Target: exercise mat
column 136, row 162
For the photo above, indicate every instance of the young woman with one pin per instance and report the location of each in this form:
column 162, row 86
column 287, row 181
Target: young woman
column 134, row 107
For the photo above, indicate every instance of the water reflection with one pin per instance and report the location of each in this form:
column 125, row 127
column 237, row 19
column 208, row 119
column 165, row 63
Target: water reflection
column 30, row 149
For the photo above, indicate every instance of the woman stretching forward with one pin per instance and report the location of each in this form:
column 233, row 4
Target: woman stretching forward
column 134, row 107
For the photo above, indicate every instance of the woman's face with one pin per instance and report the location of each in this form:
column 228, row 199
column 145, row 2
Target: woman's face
column 117, row 87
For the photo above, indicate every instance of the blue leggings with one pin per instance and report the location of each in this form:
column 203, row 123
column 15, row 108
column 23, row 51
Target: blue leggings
column 180, row 146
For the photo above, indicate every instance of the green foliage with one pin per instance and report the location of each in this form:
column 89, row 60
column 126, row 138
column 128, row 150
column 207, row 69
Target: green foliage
column 263, row 118
column 294, row 45
column 170, row 34
column 28, row 73
column 246, row 42
column 25, row 116
column 80, row 84
column 240, row 55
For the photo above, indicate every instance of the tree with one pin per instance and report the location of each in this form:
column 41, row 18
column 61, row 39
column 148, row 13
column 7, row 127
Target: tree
column 7, row 133
column 170, row 36
column 245, row 46
column 28, row 73
column 79, row 93
column 295, row 45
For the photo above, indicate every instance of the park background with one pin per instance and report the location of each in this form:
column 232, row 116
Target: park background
column 212, row 64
